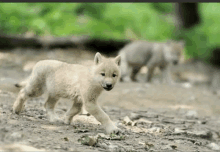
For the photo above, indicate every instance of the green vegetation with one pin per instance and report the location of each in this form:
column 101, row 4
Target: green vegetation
column 205, row 36
column 146, row 21
column 107, row 20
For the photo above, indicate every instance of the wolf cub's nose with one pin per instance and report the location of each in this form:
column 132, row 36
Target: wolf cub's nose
column 175, row 62
column 108, row 85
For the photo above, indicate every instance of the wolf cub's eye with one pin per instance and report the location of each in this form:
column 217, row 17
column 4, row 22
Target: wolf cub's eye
column 114, row 75
column 103, row 74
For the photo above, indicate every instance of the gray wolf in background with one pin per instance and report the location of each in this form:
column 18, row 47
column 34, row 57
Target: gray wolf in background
column 151, row 54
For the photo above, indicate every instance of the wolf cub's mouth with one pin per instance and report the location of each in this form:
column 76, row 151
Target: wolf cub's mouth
column 107, row 89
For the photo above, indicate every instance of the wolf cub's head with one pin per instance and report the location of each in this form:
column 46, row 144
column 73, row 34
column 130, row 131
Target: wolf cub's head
column 173, row 51
column 107, row 71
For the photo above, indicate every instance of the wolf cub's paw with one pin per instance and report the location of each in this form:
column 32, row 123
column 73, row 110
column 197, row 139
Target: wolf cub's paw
column 113, row 130
column 67, row 122
column 116, row 131
column 17, row 108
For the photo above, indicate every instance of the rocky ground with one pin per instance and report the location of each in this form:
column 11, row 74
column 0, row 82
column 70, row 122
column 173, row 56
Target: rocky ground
column 153, row 117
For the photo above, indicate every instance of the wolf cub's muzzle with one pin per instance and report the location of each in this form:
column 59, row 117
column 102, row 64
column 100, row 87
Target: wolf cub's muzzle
column 108, row 87
column 175, row 62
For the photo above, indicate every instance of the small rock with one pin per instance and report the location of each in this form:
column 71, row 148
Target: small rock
column 66, row 139
column 117, row 137
column 201, row 134
column 150, row 115
column 59, row 131
column 198, row 143
column 202, row 122
column 101, row 135
column 40, row 117
column 144, row 121
column 19, row 148
column 180, row 141
column 81, row 130
column 192, row 114
column 213, row 146
column 173, row 146
column 186, row 85
column 16, row 136
column 57, row 147
column 155, row 129
column 148, row 145
column 169, row 147
column 135, row 116
column 166, row 147
column 113, row 147
column 178, row 131
column 110, row 137
column 88, row 140
column 173, row 121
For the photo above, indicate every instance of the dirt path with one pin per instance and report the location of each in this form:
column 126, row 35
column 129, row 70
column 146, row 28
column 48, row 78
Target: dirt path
column 153, row 117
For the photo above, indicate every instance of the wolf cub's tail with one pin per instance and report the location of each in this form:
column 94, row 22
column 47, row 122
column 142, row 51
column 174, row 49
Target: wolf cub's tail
column 21, row 84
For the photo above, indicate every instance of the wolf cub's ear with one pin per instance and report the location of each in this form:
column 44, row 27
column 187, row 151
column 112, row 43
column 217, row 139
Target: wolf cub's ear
column 98, row 58
column 118, row 60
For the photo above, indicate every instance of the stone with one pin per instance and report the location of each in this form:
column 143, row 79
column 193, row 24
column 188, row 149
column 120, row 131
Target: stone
column 213, row 146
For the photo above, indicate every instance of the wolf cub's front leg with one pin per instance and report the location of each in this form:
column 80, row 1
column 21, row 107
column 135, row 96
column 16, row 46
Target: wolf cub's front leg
column 75, row 109
column 49, row 106
column 94, row 109
column 19, row 103
column 166, row 75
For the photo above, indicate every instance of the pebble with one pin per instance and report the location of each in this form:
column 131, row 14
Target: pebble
column 155, row 129
column 187, row 85
column 15, row 136
column 213, row 146
column 178, row 131
column 88, row 140
column 66, row 139
column 192, row 114
column 167, row 147
column 112, row 147
column 201, row 134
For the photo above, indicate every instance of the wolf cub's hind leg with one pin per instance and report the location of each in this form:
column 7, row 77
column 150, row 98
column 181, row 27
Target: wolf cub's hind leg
column 166, row 76
column 32, row 89
column 135, row 70
column 75, row 109
column 151, row 66
column 49, row 106
column 19, row 103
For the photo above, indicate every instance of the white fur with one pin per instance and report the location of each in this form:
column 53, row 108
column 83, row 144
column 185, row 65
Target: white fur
column 81, row 84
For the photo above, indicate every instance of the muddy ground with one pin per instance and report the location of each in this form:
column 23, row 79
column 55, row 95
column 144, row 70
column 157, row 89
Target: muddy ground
column 153, row 117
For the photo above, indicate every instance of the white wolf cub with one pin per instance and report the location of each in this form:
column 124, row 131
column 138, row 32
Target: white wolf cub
column 137, row 54
column 81, row 84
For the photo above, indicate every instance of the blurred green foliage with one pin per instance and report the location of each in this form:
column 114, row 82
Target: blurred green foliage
column 205, row 36
column 146, row 21
column 107, row 20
